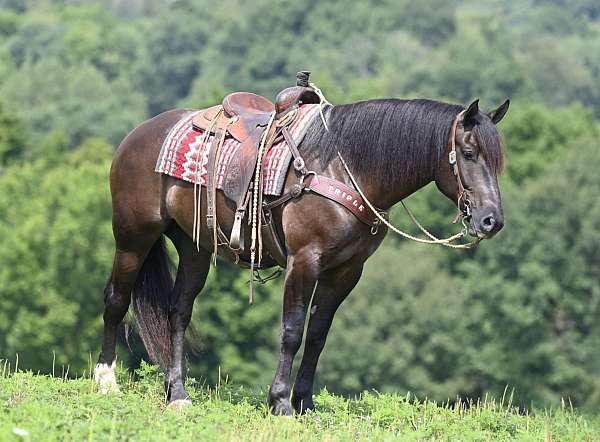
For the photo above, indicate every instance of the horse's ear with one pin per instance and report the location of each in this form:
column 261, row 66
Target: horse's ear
column 497, row 115
column 472, row 110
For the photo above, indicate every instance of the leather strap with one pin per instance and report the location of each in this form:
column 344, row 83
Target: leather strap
column 331, row 189
column 299, row 164
column 462, row 195
column 345, row 195
column 271, row 239
column 211, row 181
column 236, row 241
column 295, row 191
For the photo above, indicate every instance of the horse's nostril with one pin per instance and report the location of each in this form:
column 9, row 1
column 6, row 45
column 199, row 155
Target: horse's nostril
column 488, row 223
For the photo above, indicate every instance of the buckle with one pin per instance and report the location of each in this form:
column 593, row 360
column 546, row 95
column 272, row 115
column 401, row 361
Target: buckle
column 375, row 227
column 452, row 157
column 467, row 208
column 296, row 190
column 299, row 164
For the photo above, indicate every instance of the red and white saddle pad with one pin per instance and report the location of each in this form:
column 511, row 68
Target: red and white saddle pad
column 180, row 153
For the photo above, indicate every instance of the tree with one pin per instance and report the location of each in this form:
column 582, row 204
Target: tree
column 234, row 339
column 13, row 137
column 78, row 101
column 535, row 292
column 56, row 252
column 399, row 333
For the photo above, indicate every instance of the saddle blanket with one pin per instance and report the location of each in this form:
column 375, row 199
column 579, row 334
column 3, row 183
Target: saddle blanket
column 180, row 153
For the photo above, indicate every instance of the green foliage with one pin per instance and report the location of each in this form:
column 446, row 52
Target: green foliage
column 235, row 340
column 56, row 251
column 537, row 136
column 394, row 328
column 78, row 101
column 47, row 408
column 519, row 311
column 12, row 137
column 537, row 289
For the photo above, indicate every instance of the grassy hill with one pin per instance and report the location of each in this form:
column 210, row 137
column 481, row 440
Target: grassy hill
column 39, row 408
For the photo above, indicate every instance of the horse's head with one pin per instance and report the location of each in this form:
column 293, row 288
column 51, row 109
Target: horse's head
column 470, row 176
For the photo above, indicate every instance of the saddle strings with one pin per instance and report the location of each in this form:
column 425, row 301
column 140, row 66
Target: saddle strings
column 256, row 218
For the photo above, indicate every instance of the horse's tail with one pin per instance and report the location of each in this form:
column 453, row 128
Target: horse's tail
column 151, row 303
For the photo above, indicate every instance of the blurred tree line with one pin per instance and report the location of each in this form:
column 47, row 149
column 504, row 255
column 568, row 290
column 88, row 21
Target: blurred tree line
column 76, row 76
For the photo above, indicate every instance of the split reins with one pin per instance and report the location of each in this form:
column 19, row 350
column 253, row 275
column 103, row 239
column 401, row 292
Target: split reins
column 463, row 203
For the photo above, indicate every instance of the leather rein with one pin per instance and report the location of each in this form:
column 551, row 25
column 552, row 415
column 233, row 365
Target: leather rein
column 363, row 209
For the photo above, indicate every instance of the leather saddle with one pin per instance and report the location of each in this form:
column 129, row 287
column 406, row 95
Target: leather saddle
column 247, row 111
column 245, row 116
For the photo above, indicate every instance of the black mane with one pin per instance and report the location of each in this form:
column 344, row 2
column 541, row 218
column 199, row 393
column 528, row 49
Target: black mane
column 397, row 140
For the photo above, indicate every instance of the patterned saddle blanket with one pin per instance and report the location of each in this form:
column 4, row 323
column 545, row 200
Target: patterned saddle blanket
column 184, row 147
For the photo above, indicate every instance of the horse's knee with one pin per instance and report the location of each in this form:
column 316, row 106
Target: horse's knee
column 291, row 337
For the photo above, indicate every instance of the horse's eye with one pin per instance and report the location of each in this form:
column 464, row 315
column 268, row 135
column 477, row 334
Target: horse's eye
column 468, row 154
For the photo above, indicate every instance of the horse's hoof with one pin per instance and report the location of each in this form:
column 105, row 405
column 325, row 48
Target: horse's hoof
column 179, row 405
column 302, row 406
column 104, row 375
column 282, row 408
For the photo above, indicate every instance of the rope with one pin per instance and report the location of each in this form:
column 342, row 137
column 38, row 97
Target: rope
column 444, row 242
column 430, row 235
column 324, row 100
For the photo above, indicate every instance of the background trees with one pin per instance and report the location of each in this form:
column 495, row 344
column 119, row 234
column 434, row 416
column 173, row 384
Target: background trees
column 75, row 76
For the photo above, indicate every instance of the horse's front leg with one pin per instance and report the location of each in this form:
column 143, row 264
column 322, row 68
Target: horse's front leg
column 301, row 277
column 334, row 286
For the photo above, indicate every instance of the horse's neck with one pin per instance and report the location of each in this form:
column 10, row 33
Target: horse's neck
column 388, row 195
column 387, row 191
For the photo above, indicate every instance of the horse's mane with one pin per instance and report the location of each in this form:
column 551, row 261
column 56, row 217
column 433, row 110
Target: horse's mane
column 398, row 140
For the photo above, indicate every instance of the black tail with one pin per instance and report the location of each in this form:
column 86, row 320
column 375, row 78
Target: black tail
column 151, row 303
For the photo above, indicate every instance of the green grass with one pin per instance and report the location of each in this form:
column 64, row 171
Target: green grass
column 48, row 408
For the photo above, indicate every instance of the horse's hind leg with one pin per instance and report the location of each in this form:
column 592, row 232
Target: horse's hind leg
column 191, row 276
column 333, row 288
column 127, row 263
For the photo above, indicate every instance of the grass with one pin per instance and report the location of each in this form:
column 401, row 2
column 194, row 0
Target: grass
column 44, row 408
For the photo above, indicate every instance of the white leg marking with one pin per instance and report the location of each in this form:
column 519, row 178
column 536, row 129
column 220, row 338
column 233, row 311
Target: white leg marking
column 104, row 375
column 179, row 405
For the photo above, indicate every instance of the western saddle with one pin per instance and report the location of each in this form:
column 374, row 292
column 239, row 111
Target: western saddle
column 257, row 124
column 246, row 117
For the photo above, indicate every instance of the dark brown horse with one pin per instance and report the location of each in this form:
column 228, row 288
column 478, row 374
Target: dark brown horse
column 392, row 147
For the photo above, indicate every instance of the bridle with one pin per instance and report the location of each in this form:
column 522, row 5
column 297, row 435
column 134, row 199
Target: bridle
column 463, row 195
column 463, row 203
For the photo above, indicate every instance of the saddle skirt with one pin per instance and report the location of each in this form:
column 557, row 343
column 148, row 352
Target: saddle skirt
column 184, row 154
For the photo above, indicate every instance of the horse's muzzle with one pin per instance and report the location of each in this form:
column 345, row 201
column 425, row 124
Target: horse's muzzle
column 487, row 226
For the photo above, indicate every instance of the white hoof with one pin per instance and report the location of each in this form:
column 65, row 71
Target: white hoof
column 179, row 405
column 104, row 375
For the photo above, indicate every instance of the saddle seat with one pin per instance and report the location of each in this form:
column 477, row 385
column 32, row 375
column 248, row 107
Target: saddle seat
column 248, row 105
column 241, row 113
